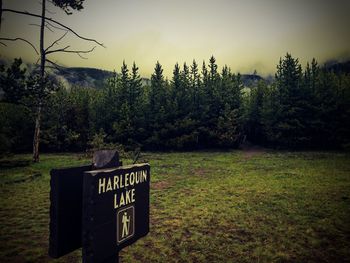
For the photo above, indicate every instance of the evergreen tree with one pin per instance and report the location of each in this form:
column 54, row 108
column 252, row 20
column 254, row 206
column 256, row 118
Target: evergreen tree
column 13, row 82
column 184, row 92
column 176, row 91
column 255, row 110
column 205, row 92
column 229, row 130
column 157, row 105
column 135, row 89
column 196, row 93
column 327, row 113
column 137, row 106
column 157, row 95
column 290, row 126
column 124, row 84
column 122, row 126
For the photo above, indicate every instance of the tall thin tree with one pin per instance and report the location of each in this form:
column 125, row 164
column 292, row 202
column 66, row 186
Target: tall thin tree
column 41, row 89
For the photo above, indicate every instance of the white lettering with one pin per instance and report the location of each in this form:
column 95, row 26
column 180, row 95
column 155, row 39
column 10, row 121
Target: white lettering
column 144, row 175
column 132, row 178
column 115, row 201
column 126, row 180
column 101, row 185
column 116, row 182
column 109, row 185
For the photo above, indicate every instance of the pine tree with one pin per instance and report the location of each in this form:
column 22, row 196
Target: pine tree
column 196, row 93
column 255, row 112
column 176, row 87
column 137, row 107
column 184, row 92
column 205, row 93
column 135, row 93
column 290, row 126
column 13, row 82
column 157, row 95
column 124, row 84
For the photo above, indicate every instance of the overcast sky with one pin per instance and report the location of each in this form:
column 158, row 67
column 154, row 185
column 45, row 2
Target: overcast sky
column 244, row 34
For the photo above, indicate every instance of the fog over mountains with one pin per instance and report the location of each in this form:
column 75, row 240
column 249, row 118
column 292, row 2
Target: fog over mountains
column 97, row 78
column 84, row 77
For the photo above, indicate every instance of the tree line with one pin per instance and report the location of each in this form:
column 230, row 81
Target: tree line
column 200, row 107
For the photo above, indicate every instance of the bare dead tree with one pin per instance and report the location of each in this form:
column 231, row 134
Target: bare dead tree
column 19, row 38
column 53, row 21
column 0, row 12
column 47, row 23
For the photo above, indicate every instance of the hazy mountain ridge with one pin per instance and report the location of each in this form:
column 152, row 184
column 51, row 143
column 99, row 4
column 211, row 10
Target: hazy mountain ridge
column 84, row 77
column 88, row 77
column 337, row 67
column 97, row 78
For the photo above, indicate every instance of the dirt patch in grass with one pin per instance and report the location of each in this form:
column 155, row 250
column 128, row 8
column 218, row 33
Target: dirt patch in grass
column 160, row 185
column 168, row 165
column 201, row 172
column 250, row 151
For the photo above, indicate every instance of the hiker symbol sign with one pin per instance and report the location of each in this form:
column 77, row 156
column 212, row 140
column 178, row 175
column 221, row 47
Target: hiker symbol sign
column 115, row 210
column 125, row 224
column 102, row 208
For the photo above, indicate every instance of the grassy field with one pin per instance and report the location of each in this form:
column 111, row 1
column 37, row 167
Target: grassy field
column 238, row 206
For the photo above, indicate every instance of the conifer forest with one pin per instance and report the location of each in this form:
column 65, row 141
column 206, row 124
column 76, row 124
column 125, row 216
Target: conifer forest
column 202, row 106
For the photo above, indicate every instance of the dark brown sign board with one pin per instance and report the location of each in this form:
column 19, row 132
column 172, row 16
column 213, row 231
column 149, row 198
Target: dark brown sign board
column 66, row 198
column 105, row 220
column 115, row 210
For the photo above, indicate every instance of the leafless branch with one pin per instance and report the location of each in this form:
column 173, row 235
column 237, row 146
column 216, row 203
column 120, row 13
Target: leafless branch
column 53, row 21
column 54, row 64
column 70, row 51
column 22, row 39
column 35, row 25
column 45, row 26
column 57, row 50
column 82, row 57
column 56, row 27
column 3, row 44
column 56, row 41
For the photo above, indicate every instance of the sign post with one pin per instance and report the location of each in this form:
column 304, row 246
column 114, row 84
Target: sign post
column 110, row 211
column 115, row 209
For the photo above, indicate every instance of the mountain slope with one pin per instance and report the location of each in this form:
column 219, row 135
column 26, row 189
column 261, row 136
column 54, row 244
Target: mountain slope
column 84, row 77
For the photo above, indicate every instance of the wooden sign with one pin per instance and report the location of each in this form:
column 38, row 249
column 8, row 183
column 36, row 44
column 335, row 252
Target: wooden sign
column 115, row 210
column 66, row 198
column 102, row 207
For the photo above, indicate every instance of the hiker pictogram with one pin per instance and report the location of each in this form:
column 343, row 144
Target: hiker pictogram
column 125, row 223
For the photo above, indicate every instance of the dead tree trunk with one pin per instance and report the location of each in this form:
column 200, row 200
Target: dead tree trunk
column 0, row 12
column 36, row 138
column 45, row 22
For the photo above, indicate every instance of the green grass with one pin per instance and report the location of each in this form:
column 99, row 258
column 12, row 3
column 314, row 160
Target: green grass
column 205, row 207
